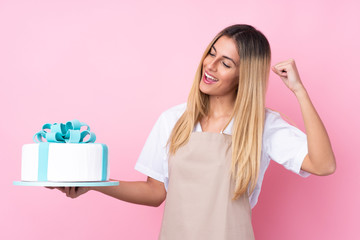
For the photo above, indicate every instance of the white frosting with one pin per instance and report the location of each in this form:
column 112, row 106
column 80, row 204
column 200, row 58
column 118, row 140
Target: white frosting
column 66, row 162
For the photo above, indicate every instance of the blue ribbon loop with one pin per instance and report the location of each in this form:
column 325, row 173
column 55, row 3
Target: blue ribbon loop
column 65, row 133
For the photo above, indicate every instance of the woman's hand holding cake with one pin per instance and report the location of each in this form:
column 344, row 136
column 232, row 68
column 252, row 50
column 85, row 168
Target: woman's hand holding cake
column 150, row 193
column 72, row 192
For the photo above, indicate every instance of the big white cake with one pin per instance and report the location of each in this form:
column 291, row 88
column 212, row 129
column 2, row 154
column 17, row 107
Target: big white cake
column 64, row 162
column 65, row 156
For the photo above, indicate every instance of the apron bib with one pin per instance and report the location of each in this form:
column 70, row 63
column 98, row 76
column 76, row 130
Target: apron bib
column 198, row 203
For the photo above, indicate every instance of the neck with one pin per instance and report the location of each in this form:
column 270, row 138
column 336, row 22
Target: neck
column 221, row 106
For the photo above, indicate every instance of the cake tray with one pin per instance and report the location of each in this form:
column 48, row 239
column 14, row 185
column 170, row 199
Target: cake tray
column 66, row 184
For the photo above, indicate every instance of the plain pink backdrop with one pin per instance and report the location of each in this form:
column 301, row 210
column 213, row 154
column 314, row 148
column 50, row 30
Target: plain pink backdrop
column 117, row 65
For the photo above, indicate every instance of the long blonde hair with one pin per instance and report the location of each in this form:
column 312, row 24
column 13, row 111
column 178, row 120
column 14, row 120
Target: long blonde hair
column 249, row 109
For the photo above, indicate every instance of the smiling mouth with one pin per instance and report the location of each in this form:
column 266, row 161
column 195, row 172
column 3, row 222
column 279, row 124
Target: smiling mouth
column 210, row 78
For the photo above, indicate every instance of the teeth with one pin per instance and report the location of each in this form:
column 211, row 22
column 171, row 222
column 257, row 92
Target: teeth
column 208, row 76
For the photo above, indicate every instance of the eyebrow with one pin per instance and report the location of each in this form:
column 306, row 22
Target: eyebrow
column 225, row 56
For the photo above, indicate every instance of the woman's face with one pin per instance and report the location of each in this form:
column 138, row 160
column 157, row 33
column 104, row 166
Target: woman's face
column 221, row 63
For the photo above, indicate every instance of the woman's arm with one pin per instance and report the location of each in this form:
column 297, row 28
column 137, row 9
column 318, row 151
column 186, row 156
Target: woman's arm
column 150, row 193
column 320, row 159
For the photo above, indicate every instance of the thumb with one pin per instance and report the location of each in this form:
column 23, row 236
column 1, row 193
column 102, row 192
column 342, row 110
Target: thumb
column 280, row 73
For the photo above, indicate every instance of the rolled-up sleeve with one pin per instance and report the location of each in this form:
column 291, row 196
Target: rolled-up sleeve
column 285, row 144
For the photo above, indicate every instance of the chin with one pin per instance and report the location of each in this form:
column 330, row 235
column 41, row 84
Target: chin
column 205, row 91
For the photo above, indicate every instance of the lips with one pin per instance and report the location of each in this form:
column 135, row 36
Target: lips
column 205, row 80
column 210, row 79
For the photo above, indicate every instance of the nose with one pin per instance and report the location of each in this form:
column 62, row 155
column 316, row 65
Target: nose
column 212, row 65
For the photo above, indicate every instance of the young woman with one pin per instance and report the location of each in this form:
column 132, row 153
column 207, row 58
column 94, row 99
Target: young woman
column 208, row 156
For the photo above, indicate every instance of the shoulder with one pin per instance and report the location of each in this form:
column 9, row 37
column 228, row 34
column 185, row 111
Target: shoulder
column 277, row 129
column 273, row 119
column 172, row 114
column 168, row 118
column 270, row 113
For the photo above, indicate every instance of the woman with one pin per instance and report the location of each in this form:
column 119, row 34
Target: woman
column 208, row 156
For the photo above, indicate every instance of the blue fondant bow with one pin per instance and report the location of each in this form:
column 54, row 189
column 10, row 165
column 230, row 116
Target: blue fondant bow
column 65, row 133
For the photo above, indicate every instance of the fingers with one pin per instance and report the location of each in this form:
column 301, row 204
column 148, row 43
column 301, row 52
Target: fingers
column 283, row 68
column 279, row 71
column 71, row 192
column 62, row 189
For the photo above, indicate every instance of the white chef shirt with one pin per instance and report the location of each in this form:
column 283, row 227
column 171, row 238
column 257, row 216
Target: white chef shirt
column 282, row 142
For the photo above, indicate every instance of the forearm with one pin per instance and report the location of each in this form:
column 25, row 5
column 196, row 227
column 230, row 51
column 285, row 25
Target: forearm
column 138, row 192
column 319, row 146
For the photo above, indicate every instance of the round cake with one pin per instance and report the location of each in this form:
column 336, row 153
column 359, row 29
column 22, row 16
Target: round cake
column 64, row 162
column 65, row 156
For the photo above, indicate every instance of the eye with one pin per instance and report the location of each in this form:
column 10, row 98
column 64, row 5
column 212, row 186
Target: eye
column 223, row 62
column 226, row 65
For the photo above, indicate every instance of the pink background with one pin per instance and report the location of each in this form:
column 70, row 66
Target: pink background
column 117, row 65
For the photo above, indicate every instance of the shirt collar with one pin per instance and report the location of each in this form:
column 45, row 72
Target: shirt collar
column 227, row 130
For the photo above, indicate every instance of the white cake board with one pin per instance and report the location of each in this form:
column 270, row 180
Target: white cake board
column 66, row 184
